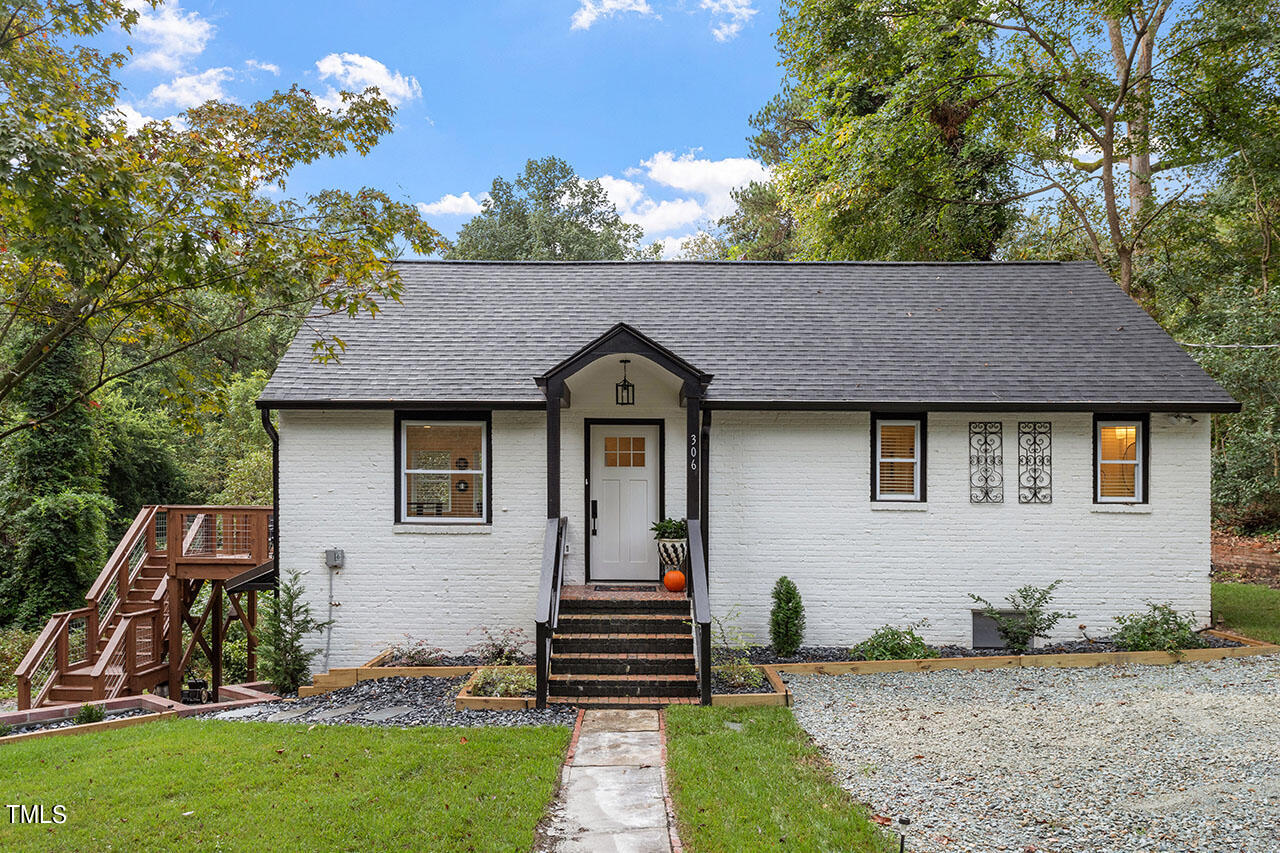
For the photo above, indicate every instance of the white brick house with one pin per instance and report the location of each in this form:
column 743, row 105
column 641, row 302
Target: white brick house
column 890, row 436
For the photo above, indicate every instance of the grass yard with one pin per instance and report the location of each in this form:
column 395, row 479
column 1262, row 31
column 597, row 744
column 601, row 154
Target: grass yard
column 765, row 787
column 208, row 785
column 1251, row 609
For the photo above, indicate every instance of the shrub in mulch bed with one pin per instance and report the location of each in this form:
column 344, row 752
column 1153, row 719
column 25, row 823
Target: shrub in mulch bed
column 66, row 722
column 723, row 683
column 765, row 655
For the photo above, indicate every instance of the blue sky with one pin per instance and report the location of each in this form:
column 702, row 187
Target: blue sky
column 651, row 96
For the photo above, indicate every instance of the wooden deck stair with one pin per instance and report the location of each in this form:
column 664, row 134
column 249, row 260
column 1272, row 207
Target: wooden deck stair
column 118, row 642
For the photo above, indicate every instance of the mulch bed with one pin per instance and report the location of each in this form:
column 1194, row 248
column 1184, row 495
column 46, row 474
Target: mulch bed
column 71, row 721
column 720, row 685
column 453, row 660
column 764, row 655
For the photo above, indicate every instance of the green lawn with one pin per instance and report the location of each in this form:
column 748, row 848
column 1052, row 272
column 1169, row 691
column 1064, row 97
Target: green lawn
column 1251, row 609
column 265, row 786
column 765, row 787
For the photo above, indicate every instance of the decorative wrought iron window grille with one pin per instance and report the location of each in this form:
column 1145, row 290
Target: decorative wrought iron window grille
column 986, row 462
column 1035, row 462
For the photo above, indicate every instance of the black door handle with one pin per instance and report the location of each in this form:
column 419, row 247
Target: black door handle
column 595, row 506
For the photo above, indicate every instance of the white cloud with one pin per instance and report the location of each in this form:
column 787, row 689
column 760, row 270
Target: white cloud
column 592, row 10
column 714, row 180
column 453, row 205
column 255, row 65
column 356, row 73
column 133, row 120
column 729, row 16
column 192, row 90
column 174, row 35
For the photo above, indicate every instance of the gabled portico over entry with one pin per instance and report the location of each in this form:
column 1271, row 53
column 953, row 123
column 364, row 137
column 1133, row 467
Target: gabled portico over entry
column 613, row 407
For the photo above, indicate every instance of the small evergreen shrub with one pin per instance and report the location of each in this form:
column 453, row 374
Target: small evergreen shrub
column 90, row 714
column 283, row 661
column 505, row 648
column 893, row 643
column 1159, row 629
column 411, row 652
column 1031, row 619
column 499, row 682
column 786, row 621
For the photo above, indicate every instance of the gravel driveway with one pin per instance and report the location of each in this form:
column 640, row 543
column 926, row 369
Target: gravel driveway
column 1171, row 758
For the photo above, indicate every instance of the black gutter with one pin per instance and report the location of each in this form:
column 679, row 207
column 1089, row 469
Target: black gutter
column 275, row 486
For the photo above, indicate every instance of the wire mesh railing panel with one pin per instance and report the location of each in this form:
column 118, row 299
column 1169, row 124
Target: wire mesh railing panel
column 77, row 641
column 45, row 671
column 137, row 556
column 162, row 531
column 106, row 602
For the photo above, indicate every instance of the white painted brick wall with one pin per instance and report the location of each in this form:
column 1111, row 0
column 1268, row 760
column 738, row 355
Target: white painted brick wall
column 789, row 495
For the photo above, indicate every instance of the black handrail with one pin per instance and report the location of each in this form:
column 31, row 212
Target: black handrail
column 547, row 615
column 701, row 609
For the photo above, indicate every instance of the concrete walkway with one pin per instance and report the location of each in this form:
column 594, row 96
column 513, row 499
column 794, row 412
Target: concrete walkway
column 612, row 792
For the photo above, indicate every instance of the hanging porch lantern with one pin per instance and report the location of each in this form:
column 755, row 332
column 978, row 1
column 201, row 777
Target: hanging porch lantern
column 626, row 391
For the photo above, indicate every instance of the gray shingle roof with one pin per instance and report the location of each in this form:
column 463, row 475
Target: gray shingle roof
column 857, row 335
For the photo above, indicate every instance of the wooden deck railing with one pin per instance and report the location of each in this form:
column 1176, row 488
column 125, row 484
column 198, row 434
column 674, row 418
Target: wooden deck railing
column 194, row 542
column 547, row 615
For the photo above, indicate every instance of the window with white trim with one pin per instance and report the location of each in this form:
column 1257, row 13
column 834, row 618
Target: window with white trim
column 442, row 466
column 897, row 449
column 1120, row 459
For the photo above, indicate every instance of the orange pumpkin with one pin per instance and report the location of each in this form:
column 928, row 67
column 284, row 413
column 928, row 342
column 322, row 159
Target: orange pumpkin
column 673, row 580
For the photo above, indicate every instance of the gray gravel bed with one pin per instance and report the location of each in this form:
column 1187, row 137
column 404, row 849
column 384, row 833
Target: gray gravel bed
column 1119, row 758
column 393, row 702
column 71, row 721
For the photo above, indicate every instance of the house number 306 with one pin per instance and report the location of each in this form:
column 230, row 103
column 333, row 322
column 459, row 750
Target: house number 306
column 693, row 452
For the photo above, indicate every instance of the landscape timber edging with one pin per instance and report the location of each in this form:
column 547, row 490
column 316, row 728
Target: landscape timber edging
column 466, row 702
column 1250, row 648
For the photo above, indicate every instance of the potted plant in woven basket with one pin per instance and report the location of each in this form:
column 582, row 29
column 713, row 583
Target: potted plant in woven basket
column 673, row 546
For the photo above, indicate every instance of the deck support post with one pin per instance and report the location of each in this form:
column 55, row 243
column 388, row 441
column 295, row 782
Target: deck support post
column 219, row 632
column 176, row 620
column 252, row 645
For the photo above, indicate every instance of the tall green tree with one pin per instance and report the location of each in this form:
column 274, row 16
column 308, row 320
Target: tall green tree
column 547, row 213
column 147, row 244
column 54, row 519
column 866, row 170
column 1114, row 109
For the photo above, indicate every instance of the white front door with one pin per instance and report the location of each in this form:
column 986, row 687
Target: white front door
column 623, row 501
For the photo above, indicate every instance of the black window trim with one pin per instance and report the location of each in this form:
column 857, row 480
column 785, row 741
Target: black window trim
column 1143, row 419
column 923, row 418
column 428, row 415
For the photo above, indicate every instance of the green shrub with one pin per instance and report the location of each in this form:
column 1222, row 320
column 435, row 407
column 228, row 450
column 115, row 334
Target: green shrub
column 786, row 621
column 411, row 652
column 740, row 672
column 5, row 729
column 1031, row 618
column 503, row 682
column 1159, row 629
column 90, row 714
column 893, row 643
column 505, row 648
column 283, row 661
column 729, row 652
column 14, row 645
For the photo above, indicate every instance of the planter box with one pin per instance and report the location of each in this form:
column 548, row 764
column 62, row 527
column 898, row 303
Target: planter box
column 779, row 697
column 466, row 702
